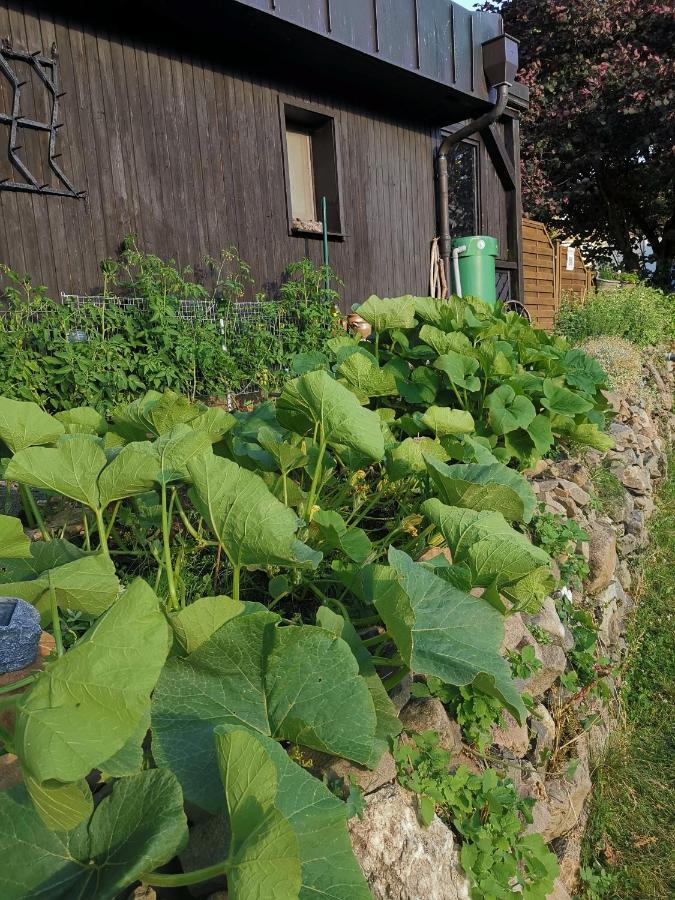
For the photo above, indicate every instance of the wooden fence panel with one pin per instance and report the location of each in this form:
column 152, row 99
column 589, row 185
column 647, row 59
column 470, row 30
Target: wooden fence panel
column 547, row 276
column 539, row 274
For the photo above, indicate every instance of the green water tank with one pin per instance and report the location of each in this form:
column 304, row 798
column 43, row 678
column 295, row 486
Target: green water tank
column 473, row 267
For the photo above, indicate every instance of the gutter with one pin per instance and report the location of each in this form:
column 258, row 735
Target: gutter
column 479, row 124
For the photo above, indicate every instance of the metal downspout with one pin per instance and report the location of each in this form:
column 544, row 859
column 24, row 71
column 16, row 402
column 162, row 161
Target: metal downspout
column 472, row 127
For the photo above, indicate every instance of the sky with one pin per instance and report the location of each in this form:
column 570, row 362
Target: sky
column 468, row 3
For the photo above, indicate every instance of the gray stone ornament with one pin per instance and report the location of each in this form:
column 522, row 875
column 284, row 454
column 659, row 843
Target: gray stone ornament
column 19, row 634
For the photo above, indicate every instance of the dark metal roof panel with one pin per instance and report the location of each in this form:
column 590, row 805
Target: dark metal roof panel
column 437, row 39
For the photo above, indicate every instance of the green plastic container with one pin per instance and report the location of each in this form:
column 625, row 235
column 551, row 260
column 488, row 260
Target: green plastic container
column 476, row 263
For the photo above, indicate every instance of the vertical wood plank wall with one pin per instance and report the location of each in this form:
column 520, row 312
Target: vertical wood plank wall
column 188, row 155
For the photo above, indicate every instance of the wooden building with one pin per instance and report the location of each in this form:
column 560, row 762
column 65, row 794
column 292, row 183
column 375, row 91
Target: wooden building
column 220, row 122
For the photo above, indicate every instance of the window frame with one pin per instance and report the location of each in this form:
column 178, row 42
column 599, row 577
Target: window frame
column 313, row 117
column 478, row 185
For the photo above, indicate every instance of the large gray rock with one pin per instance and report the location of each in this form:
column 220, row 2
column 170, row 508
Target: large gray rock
column 429, row 714
column 401, row 859
column 563, row 806
column 636, row 479
column 512, row 736
column 602, row 557
column 549, row 621
column 553, row 663
column 613, row 604
column 334, row 768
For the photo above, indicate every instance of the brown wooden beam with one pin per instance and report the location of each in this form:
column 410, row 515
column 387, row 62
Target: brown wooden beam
column 500, row 158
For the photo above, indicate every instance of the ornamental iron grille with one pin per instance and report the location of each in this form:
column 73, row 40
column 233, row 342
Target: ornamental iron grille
column 503, row 285
column 29, row 83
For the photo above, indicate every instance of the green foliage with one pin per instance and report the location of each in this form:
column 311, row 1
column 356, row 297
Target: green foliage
column 104, row 355
column 559, row 537
column 489, row 818
column 586, row 667
column 485, row 385
column 524, row 662
column 609, row 493
column 273, row 537
column 642, row 315
column 475, row 712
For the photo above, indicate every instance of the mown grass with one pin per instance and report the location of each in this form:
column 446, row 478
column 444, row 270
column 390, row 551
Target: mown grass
column 629, row 850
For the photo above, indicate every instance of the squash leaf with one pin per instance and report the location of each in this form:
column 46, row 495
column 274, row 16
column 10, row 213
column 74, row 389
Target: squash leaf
column 23, row 424
column 251, row 525
column 316, row 399
column 85, row 705
column 138, row 827
column 297, row 683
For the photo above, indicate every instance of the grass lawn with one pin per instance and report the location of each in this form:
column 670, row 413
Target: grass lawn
column 629, row 848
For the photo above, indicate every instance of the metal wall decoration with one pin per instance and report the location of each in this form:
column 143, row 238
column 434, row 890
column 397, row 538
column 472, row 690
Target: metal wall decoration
column 46, row 69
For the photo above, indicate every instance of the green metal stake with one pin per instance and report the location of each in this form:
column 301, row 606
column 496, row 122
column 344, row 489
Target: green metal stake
column 324, row 219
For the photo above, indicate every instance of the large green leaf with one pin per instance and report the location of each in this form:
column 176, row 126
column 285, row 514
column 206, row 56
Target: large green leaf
column 316, row 401
column 475, row 486
column 264, row 852
column 138, row 827
column 88, row 585
column 459, row 369
column 463, row 527
column 442, row 631
column 24, row 424
column 443, row 421
column 508, row 411
column 388, row 313
column 335, row 535
column 71, row 468
column 388, row 724
column 443, row 342
column 60, row 806
column 560, row 400
column 362, row 374
column 13, row 542
column 42, row 556
column 130, row 473
column 252, row 526
column 408, row 457
column 85, row 705
column 195, row 624
column 316, row 818
column 176, row 449
column 590, row 435
column 155, row 414
column 297, row 683
column 82, row 420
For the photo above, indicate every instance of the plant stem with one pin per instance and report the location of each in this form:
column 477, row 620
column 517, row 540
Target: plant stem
column 37, row 515
column 166, row 542
column 236, row 573
column 387, row 661
column 113, row 516
column 85, row 528
column 157, row 879
column 311, row 497
column 100, row 525
column 56, row 622
column 395, row 678
column 187, row 524
column 378, row 639
column 15, row 685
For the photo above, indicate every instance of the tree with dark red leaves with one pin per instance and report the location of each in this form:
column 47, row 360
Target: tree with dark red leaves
column 598, row 141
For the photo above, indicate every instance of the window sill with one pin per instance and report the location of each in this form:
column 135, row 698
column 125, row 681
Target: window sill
column 317, row 235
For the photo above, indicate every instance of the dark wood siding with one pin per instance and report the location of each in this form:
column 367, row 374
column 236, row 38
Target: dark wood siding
column 188, row 155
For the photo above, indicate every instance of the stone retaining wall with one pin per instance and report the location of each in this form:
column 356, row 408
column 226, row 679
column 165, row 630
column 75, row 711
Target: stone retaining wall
column 404, row 861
